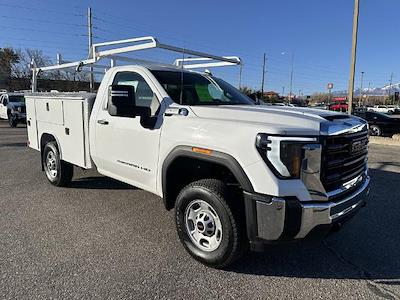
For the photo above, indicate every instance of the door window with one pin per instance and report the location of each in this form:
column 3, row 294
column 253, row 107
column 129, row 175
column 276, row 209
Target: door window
column 144, row 95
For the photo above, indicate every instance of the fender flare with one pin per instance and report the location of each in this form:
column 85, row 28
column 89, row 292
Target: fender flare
column 216, row 157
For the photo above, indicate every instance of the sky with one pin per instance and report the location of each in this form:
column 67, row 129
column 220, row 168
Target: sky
column 317, row 33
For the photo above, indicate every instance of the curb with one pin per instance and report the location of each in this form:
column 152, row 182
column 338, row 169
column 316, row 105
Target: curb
column 394, row 141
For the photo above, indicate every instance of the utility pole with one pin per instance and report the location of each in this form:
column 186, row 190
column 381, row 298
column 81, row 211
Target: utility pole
column 291, row 80
column 263, row 76
column 353, row 54
column 369, row 89
column 90, row 36
column 283, row 91
column 390, row 86
column 240, row 75
column 361, row 89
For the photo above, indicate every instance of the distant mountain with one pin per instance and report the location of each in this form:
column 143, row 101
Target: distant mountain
column 373, row 91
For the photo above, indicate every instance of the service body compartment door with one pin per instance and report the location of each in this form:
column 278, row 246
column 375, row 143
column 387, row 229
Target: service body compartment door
column 73, row 137
column 50, row 111
column 31, row 124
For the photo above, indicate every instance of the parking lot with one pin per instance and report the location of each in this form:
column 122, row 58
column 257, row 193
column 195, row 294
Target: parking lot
column 100, row 238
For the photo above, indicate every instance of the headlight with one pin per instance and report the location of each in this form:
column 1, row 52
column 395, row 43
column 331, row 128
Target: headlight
column 283, row 154
column 19, row 109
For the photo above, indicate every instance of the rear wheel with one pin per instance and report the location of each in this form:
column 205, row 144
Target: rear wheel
column 375, row 130
column 209, row 229
column 58, row 172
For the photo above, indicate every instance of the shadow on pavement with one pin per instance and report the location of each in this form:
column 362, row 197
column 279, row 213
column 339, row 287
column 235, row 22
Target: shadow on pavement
column 22, row 144
column 368, row 247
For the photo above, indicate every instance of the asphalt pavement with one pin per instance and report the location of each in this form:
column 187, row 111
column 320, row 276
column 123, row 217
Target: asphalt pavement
column 103, row 239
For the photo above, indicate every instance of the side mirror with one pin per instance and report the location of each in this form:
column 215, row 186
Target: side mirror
column 122, row 101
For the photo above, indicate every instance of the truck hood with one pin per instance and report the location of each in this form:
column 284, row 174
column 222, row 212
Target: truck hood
column 282, row 120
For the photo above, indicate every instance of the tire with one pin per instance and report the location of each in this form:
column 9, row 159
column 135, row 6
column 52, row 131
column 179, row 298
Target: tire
column 375, row 130
column 12, row 120
column 58, row 172
column 205, row 202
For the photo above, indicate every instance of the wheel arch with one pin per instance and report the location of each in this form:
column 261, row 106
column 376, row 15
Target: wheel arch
column 46, row 138
column 217, row 159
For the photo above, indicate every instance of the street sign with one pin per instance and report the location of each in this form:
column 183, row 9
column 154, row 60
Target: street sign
column 330, row 86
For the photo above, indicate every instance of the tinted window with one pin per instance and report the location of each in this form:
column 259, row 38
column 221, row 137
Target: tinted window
column 16, row 98
column 143, row 93
column 360, row 114
column 196, row 89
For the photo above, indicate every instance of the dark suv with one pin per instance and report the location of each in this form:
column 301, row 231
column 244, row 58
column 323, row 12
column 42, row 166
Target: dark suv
column 12, row 108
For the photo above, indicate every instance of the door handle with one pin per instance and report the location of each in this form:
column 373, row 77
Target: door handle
column 176, row 111
column 102, row 122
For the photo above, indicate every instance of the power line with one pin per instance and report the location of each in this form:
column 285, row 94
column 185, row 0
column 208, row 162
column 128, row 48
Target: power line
column 44, row 31
column 338, row 74
column 38, row 41
column 40, row 9
column 43, row 21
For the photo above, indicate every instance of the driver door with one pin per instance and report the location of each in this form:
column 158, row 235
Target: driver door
column 126, row 150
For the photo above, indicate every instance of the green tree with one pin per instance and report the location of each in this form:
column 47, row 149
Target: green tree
column 246, row 90
column 8, row 59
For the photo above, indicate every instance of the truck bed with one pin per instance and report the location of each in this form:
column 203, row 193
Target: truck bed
column 66, row 117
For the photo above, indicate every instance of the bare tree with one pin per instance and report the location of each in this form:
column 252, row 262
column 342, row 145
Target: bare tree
column 246, row 90
column 320, row 98
column 22, row 69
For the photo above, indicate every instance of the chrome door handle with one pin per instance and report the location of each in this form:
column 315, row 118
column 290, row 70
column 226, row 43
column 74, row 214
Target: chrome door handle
column 176, row 111
column 102, row 122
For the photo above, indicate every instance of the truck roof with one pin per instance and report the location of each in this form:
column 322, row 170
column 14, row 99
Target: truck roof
column 14, row 93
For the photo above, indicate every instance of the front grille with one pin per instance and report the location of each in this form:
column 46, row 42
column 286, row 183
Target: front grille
column 344, row 157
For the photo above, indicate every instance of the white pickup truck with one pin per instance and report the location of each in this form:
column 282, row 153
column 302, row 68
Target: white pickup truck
column 385, row 109
column 237, row 174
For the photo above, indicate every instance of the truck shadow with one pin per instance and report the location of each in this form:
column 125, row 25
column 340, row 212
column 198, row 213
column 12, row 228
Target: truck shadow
column 22, row 144
column 100, row 183
column 367, row 248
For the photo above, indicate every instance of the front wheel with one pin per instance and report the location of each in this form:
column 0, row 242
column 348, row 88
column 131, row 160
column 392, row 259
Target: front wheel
column 209, row 229
column 375, row 130
column 12, row 120
column 58, row 172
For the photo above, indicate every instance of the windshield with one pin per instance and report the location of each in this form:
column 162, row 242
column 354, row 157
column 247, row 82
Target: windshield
column 199, row 89
column 16, row 98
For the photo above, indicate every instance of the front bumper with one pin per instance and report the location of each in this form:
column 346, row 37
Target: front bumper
column 274, row 219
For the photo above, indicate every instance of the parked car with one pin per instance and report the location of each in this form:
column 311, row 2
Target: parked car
column 320, row 106
column 237, row 174
column 385, row 109
column 379, row 123
column 12, row 108
column 395, row 108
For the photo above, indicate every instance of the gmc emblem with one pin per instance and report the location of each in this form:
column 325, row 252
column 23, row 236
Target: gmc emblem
column 358, row 146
